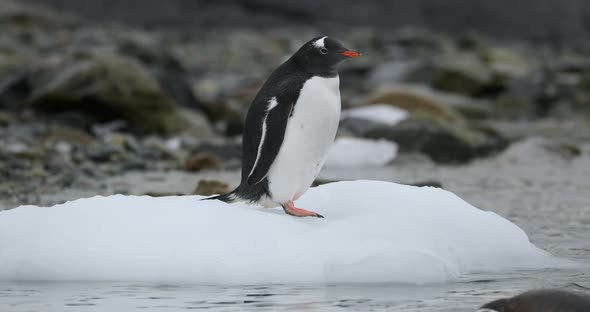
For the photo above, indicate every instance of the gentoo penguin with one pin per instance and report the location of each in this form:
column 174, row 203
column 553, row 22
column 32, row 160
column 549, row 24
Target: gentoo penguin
column 290, row 126
column 542, row 300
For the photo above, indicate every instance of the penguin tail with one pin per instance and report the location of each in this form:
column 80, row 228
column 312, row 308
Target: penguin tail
column 228, row 197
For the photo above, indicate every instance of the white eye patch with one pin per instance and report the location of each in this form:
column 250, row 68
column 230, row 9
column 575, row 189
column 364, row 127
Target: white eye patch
column 320, row 43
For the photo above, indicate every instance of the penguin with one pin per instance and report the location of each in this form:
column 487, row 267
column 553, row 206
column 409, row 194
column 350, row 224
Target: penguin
column 290, row 127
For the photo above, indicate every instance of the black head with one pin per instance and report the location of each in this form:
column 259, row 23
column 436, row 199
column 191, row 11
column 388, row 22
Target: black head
column 321, row 56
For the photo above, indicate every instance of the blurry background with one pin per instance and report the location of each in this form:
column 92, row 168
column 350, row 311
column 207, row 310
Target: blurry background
column 540, row 20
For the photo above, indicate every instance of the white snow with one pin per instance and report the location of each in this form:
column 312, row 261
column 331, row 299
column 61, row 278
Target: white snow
column 357, row 152
column 381, row 113
column 373, row 232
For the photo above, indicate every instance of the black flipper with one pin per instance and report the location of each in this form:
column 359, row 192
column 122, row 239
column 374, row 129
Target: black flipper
column 275, row 125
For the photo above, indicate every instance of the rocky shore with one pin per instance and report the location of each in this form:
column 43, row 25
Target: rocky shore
column 83, row 104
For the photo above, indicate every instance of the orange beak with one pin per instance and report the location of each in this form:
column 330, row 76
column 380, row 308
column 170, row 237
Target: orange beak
column 350, row 53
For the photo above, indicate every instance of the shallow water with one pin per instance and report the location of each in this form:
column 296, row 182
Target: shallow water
column 464, row 295
column 546, row 195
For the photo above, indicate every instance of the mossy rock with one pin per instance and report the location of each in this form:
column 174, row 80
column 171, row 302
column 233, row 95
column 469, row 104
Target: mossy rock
column 108, row 87
column 26, row 16
column 442, row 142
column 462, row 73
column 211, row 187
column 415, row 102
column 426, row 102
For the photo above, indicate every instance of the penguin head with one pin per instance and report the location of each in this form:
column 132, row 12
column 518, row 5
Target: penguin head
column 322, row 55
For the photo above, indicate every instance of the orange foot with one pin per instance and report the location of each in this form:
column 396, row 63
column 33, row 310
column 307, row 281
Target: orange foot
column 290, row 209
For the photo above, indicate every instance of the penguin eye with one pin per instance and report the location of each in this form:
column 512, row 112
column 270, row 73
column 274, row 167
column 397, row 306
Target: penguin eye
column 324, row 50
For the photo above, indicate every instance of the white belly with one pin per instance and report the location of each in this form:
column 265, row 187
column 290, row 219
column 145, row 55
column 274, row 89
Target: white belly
column 308, row 137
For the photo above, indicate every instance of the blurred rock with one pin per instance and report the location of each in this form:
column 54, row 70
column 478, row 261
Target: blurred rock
column 358, row 127
column 11, row 63
column 506, row 63
column 225, row 152
column 197, row 124
column 202, row 161
column 214, row 87
column 436, row 184
column 15, row 14
column 416, row 71
column 541, row 300
column 14, row 87
column 103, row 153
column 69, row 135
column 163, row 194
column 5, row 119
column 418, row 41
column 109, row 87
column 164, row 151
column 540, row 150
column 519, row 100
column 225, row 99
column 118, row 140
column 211, row 187
column 234, row 125
column 462, row 73
column 442, row 142
column 421, row 101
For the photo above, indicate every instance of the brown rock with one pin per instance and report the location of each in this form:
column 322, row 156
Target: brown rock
column 202, row 161
column 211, row 187
column 69, row 135
column 415, row 102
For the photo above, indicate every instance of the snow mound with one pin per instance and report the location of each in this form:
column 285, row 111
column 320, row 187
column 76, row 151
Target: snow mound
column 381, row 113
column 373, row 232
column 351, row 152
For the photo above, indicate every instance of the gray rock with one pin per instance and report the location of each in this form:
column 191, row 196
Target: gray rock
column 31, row 17
column 69, row 135
column 401, row 71
column 102, row 153
column 109, row 87
column 508, row 63
column 426, row 102
column 197, row 123
column 542, row 300
column 5, row 119
column 225, row 152
column 358, row 127
column 442, row 142
column 202, row 161
column 462, row 73
column 436, row 184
